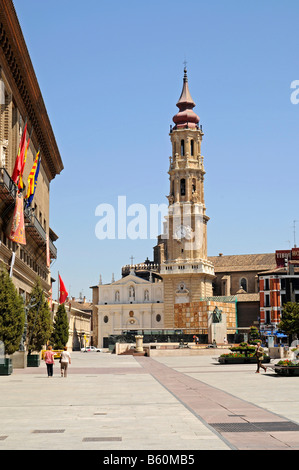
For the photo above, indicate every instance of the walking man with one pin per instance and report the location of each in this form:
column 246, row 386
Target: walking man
column 259, row 357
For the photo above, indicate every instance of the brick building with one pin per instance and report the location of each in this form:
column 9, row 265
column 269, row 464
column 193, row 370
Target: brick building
column 278, row 286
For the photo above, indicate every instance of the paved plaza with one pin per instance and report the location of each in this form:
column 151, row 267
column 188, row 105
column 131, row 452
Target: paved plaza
column 111, row 402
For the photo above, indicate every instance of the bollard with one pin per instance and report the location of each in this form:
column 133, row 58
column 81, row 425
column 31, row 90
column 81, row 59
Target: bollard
column 139, row 343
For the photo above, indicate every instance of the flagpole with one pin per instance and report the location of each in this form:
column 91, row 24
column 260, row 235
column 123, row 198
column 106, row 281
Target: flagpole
column 58, row 288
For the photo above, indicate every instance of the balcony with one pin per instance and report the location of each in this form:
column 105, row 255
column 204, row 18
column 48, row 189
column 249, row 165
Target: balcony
column 8, row 189
column 35, row 229
column 8, row 194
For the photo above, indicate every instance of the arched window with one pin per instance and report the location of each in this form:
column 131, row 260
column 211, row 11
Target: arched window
column 182, row 148
column 193, row 185
column 183, row 187
column 192, row 147
column 243, row 283
column 172, row 188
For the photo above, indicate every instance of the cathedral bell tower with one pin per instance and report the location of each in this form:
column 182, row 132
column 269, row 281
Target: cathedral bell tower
column 187, row 273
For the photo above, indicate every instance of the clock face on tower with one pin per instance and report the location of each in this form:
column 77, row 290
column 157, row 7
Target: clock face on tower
column 183, row 232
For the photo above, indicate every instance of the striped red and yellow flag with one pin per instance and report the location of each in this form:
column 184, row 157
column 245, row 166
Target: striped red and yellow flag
column 21, row 184
column 31, row 177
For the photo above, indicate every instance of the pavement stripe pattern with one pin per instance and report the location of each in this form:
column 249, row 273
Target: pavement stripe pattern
column 242, row 425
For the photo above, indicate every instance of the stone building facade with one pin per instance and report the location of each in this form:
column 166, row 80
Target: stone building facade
column 21, row 102
column 238, row 276
column 130, row 303
column 79, row 318
column 196, row 317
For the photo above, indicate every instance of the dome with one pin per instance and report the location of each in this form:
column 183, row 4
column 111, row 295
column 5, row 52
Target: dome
column 186, row 117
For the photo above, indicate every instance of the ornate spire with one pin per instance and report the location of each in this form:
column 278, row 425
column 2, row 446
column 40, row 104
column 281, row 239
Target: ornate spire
column 186, row 117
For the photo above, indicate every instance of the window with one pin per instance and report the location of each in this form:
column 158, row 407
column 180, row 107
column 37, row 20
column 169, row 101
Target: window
column 267, row 317
column 183, row 187
column 193, row 185
column 22, row 294
column 267, row 300
column 192, row 147
column 182, row 148
column 158, row 318
column 106, row 319
column 283, row 299
column 243, row 283
column 267, row 287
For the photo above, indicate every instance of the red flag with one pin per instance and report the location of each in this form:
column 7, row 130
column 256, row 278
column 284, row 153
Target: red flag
column 63, row 294
column 21, row 184
column 20, row 158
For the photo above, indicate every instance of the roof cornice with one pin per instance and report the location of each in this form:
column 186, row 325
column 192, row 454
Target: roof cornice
column 17, row 66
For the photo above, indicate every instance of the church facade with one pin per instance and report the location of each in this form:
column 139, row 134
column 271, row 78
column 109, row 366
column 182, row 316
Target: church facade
column 130, row 303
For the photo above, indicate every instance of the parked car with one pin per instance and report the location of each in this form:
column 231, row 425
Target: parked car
column 91, row 349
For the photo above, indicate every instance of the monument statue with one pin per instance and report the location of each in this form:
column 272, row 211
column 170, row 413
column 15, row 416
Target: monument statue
column 217, row 315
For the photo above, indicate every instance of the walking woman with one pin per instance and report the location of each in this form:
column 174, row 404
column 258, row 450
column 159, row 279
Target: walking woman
column 65, row 360
column 49, row 360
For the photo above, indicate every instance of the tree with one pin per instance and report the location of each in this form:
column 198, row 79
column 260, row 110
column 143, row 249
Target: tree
column 289, row 321
column 12, row 313
column 254, row 335
column 60, row 334
column 39, row 324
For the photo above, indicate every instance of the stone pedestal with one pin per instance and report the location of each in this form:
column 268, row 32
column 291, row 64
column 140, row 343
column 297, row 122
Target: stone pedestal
column 139, row 343
column 275, row 353
column 217, row 331
column 19, row 360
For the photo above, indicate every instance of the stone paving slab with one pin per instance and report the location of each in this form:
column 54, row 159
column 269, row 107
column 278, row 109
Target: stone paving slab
column 123, row 403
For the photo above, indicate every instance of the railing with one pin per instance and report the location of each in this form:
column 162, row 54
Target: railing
column 7, row 183
column 36, row 225
column 53, row 249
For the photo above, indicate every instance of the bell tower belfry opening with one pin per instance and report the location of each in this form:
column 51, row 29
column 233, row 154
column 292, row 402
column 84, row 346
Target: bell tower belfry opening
column 187, row 273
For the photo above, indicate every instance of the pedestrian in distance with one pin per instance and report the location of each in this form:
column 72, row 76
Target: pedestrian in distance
column 49, row 360
column 65, row 360
column 259, row 353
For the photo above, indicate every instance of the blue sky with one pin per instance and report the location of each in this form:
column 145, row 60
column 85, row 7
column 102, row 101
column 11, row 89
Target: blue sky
column 111, row 74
